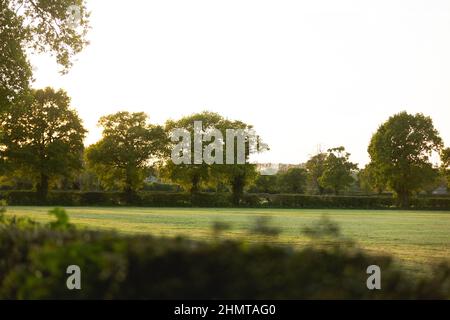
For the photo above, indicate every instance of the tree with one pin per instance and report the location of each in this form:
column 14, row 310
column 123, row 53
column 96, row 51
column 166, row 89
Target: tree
column 238, row 176
column 37, row 26
column 43, row 137
column 401, row 150
column 293, row 180
column 191, row 176
column 214, row 132
column 371, row 180
column 315, row 167
column 124, row 155
column 265, row 184
column 337, row 173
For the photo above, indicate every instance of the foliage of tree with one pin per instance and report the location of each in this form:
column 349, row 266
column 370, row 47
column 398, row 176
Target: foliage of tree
column 265, row 184
column 445, row 158
column 191, row 176
column 123, row 156
column 238, row 176
column 42, row 138
column 315, row 167
column 195, row 176
column 37, row 26
column 371, row 180
column 337, row 173
column 401, row 149
column 293, row 180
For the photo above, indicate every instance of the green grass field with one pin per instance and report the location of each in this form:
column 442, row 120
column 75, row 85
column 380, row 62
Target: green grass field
column 416, row 238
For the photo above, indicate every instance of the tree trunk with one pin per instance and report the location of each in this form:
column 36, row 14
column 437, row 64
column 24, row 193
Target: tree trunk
column 336, row 191
column 320, row 188
column 129, row 190
column 42, row 187
column 403, row 198
column 195, row 187
column 237, row 189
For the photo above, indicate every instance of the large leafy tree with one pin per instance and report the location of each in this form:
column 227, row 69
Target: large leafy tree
column 338, row 170
column 401, row 149
column 43, row 137
column 238, row 175
column 127, row 150
column 191, row 176
column 55, row 27
column 196, row 175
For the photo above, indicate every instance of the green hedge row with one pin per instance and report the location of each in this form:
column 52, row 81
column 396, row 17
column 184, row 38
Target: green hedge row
column 312, row 201
column 35, row 259
column 152, row 199
column 179, row 199
column 340, row 202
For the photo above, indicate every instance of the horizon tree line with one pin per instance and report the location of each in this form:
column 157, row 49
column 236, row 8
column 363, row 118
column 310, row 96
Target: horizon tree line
column 41, row 139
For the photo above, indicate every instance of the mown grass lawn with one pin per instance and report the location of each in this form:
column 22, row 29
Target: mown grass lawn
column 416, row 238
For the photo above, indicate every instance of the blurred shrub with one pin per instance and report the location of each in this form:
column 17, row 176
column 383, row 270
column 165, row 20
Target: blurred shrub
column 62, row 219
column 218, row 227
column 2, row 210
column 3, row 205
column 35, row 259
column 324, row 228
column 263, row 227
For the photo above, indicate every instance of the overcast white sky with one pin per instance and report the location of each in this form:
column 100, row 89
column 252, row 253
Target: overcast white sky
column 304, row 73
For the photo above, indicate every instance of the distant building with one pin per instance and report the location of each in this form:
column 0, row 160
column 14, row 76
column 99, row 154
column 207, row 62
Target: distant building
column 441, row 191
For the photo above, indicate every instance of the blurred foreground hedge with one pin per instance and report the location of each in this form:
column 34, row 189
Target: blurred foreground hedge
column 181, row 199
column 34, row 259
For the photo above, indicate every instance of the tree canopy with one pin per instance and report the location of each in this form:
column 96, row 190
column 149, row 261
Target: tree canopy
column 123, row 156
column 37, row 26
column 266, row 184
column 293, row 180
column 401, row 149
column 236, row 175
column 316, row 166
column 337, row 172
column 42, row 137
column 195, row 175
